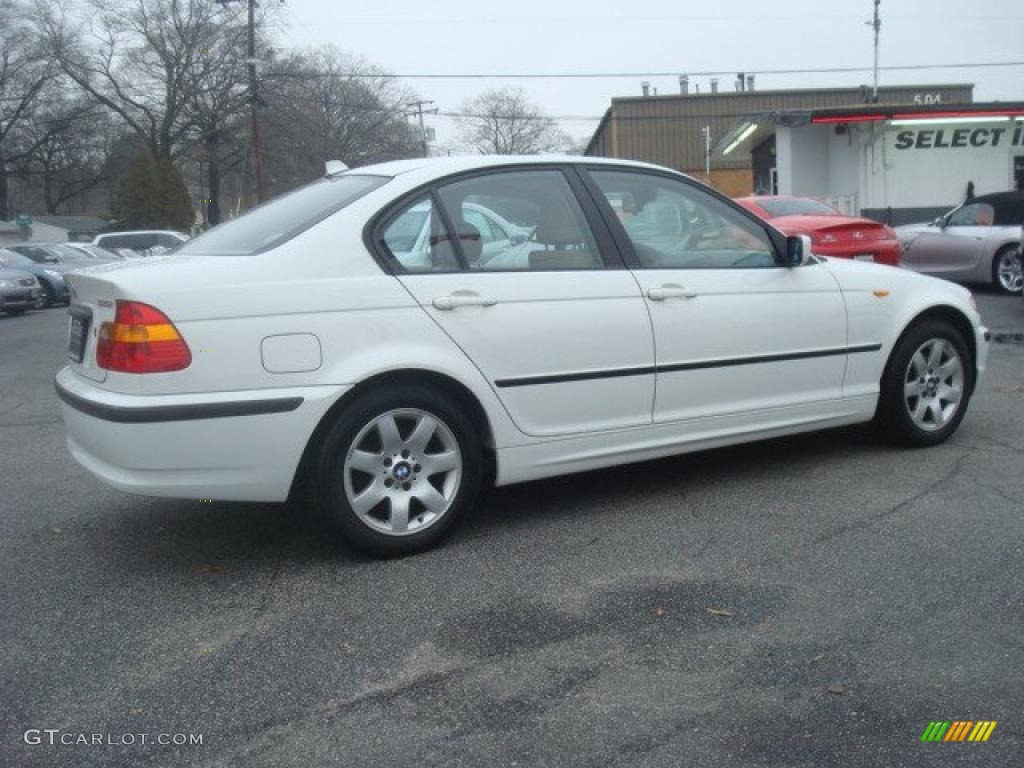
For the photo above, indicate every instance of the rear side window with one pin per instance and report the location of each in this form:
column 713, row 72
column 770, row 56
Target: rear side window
column 548, row 229
column 502, row 221
column 137, row 242
column 417, row 239
column 278, row 221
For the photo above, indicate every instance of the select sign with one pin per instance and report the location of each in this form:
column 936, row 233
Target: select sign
column 945, row 138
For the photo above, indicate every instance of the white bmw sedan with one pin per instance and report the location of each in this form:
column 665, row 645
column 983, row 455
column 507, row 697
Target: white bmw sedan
column 642, row 315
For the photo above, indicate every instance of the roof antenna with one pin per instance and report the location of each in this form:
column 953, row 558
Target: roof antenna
column 334, row 167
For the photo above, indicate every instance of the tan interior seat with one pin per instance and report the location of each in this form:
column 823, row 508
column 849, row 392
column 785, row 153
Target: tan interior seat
column 563, row 244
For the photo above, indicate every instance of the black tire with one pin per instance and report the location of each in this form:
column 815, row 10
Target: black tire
column 1002, row 253
column 893, row 416
column 340, row 438
column 48, row 297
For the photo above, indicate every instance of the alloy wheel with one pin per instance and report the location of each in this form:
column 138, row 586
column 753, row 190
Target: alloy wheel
column 403, row 471
column 933, row 384
column 1009, row 272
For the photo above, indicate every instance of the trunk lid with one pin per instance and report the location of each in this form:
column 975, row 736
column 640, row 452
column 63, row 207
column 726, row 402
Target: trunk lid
column 92, row 304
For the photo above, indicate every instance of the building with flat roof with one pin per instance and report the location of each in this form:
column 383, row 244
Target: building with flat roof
column 678, row 130
column 898, row 164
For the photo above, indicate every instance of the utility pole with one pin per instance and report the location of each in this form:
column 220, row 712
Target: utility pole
column 876, row 25
column 706, row 130
column 417, row 106
column 254, row 101
column 254, row 105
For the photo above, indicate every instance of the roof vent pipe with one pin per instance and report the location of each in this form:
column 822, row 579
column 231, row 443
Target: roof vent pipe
column 646, row 88
column 741, row 82
column 684, row 84
column 714, row 85
column 750, row 82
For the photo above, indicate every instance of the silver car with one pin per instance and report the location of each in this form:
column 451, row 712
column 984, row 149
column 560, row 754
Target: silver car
column 977, row 242
column 18, row 291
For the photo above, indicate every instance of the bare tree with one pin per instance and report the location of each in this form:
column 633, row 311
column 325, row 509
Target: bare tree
column 137, row 58
column 504, row 122
column 69, row 141
column 24, row 73
column 216, row 109
column 323, row 106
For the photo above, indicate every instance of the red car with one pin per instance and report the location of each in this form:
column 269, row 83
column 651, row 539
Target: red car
column 832, row 233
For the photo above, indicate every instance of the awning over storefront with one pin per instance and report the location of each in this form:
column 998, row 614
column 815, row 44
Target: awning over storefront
column 751, row 130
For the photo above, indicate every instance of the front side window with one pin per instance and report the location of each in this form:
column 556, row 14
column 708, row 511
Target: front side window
column 551, row 232
column 972, row 215
column 674, row 225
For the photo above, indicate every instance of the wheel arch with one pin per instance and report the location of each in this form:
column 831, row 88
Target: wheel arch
column 453, row 387
column 957, row 319
column 1007, row 246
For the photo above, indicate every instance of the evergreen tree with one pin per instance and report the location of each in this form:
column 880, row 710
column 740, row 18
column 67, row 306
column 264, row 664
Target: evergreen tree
column 175, row 204
column 153, row 196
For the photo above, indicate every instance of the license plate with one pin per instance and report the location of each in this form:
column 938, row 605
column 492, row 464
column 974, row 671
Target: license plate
column 864, row 257
column 78, row 330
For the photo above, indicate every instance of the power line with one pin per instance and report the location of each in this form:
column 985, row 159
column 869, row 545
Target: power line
column 674, row 73
column 633, row 18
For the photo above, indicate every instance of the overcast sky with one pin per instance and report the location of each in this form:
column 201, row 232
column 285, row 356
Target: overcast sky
column 684, row 36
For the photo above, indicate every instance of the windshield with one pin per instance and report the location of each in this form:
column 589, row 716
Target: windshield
column 15, row 259
column 37, row 254
column 278, row 221
column 781, row 206
column 97, row 252
column 67, row 253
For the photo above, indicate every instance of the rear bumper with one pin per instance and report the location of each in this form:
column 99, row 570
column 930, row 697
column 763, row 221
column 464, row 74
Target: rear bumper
column 240, row 446
column 881, row 251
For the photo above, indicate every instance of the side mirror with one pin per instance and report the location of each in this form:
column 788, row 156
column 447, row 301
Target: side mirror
column 798, row 251
column 940, row 222
column 517, row 238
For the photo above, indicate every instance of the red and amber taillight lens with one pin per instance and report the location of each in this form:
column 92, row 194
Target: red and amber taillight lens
column 142, row 339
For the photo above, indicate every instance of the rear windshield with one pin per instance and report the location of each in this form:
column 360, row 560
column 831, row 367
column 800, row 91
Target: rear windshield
column 280, row 220
column 791, row 207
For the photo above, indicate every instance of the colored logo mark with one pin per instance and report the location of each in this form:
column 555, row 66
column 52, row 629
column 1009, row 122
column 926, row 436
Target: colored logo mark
column 958, row 730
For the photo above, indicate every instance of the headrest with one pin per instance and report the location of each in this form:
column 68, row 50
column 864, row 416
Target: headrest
column 470, row 240
column 557, row 226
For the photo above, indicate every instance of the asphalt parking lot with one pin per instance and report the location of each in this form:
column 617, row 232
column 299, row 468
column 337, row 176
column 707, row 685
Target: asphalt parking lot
column 803, row 602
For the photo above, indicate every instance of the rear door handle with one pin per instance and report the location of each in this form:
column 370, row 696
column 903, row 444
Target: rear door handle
column 463, row 299
column 670, row 291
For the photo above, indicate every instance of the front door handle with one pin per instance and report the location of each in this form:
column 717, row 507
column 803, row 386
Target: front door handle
column 463, row 299
column 670, row 291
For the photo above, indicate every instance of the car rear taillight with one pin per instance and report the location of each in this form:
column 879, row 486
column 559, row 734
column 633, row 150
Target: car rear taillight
column 142, row 339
